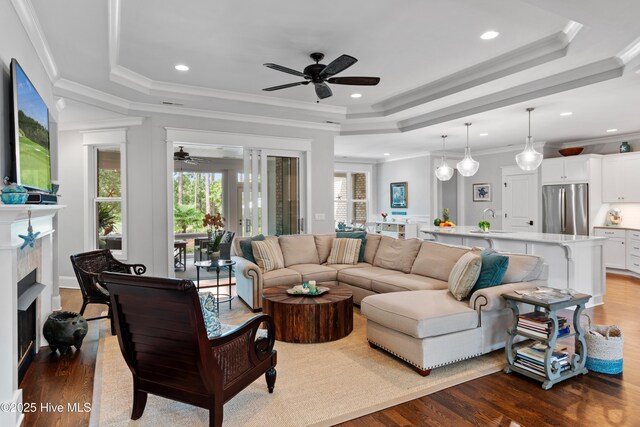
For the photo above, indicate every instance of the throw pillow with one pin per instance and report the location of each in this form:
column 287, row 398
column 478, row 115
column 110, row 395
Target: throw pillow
column 362, row 235
column 344, row 251
column 210, row 314
column 464, row 274
column 494, row 266
column 268, row 254
column 247, row 251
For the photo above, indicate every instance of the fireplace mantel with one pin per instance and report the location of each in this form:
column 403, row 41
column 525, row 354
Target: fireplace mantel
column 13, row 222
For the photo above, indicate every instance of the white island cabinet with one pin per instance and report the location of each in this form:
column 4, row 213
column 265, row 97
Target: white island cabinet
column 575, row 262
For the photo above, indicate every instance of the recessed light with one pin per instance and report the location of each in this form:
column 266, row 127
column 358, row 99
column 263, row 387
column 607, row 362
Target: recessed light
column 484, row 134
column 566, row 113
column 387, row 154
column 489, row 35
column 182, row 67
column 356, row 95
column 612, row 130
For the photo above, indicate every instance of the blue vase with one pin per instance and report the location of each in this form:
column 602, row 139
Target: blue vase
column 625, row 147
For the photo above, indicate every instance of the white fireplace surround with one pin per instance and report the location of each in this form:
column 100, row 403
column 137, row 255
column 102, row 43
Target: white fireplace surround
column 15, row 263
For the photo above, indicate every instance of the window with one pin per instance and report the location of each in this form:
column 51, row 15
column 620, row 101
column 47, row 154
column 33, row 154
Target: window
column 350, row 198
column 105, row 189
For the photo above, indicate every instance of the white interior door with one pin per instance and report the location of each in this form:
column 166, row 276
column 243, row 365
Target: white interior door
column 260, row 190
column 520, row 200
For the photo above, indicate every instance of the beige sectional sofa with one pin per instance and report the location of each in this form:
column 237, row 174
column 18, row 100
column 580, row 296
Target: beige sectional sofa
column 402, row 287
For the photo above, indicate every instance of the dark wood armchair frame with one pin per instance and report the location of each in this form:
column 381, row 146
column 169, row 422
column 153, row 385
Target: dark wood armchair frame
column 163, row 339
column 88, row 266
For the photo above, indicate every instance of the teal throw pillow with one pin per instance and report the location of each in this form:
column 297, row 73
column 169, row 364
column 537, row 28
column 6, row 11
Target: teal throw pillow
column 494, row 267
column 362, row 235
column 247, row 251
column 210, row 314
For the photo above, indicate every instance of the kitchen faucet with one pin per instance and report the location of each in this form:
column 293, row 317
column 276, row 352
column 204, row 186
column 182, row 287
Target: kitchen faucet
column 484, row 212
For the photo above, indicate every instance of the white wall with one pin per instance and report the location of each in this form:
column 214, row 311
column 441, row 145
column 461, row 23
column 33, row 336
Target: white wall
column 490, row 172
column 149, row 239
column 417, row 173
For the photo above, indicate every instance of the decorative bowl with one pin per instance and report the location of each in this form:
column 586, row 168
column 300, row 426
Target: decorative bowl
column 14, row 198
column 573, row 151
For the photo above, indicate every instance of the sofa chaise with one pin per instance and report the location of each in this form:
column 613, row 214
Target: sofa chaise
column 402, row 289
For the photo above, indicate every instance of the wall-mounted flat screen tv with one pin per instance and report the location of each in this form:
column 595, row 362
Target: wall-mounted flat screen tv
column 31, row 150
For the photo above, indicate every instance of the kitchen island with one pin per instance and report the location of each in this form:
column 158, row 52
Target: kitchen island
column 575, row 262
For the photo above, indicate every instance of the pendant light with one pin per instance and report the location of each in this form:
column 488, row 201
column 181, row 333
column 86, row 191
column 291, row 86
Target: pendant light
column 444, row 172
column 529, row 159
column 467, row 166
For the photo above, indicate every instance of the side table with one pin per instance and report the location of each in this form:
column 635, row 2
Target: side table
column 218, row 265
column 552, row 374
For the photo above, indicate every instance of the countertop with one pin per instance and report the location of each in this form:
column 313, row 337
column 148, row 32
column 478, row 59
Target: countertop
column 471, row 231
column 617, row 227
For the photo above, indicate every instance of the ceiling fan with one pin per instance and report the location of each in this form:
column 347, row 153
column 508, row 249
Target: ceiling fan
column 183, row 156
column 320, row 75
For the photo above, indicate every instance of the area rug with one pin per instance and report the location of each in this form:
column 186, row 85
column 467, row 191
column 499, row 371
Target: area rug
column 317, row 384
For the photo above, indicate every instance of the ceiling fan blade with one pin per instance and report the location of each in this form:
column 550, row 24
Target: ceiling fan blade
column 284, row 69
column 357, row 81
column 323, row 91
column 339, row 64
column 269, row 89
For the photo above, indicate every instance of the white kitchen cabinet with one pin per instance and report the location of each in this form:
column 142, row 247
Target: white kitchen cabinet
column 563, row 170
column 620, row 175
column 397, row 230
column 615, row 248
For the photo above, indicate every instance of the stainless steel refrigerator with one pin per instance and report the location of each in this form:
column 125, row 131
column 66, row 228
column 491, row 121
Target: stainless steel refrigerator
column 565, row 209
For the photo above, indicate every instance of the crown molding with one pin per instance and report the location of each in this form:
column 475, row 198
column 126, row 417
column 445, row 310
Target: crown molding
column 603, row 140
column 630, row 52
column 114, row 32
column 538, row 52
column 30, row 22
column 101, row 99
column 108, row 124
column 415, row 155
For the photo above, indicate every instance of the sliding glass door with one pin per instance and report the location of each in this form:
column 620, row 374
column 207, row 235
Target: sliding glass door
column 273, row 192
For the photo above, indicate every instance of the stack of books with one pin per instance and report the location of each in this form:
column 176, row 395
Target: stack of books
column 538, row 325
column 531, row 358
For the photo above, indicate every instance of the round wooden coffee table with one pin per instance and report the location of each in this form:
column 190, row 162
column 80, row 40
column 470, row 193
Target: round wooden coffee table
column 304, row 319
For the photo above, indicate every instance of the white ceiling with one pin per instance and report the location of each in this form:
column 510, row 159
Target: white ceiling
column 126, row 50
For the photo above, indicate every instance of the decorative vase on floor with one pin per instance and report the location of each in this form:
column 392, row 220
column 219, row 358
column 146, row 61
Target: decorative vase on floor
column 64, row 329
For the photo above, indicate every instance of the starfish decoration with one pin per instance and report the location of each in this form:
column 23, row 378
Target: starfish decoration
column 30, row 238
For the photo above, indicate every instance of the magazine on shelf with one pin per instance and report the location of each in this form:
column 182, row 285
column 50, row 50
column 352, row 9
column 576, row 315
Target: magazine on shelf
column 547, row 295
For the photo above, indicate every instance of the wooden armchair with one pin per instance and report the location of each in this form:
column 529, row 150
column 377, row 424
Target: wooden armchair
column 88, row 266
column 163, row 339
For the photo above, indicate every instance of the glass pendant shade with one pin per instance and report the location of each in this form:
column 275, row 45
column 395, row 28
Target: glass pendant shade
column 444, row 172
column 529, row 159
column 467, row 166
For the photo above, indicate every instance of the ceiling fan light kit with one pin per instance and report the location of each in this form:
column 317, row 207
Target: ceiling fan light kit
column 320, row 74
column 444, row 172
column 467, row 166
column 529, row 159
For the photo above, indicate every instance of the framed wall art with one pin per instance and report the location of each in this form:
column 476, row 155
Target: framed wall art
column 481, row 192
column 399, row 195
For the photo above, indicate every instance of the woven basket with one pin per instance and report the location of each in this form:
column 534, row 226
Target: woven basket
column 604, row 348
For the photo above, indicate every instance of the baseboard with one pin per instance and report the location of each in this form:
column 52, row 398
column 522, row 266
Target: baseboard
column 68, row 282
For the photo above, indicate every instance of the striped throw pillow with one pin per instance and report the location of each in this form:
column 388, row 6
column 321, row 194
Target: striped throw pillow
column 268, row 254
column 464, row 275
column 344, row 251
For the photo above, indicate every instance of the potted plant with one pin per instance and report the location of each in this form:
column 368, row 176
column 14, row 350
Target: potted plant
column 484, row 226
column 215, row 229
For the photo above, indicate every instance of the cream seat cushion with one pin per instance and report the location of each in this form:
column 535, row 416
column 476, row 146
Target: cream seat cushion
column 437, row 259
column 283, row 276
column 397, row 254
column 319, row 273
column 420, row 314
column 340, row 267
column 299, row 249
column 406, row 282
column 362, row 277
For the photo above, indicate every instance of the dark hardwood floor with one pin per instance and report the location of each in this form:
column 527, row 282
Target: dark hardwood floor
column 494, row 400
